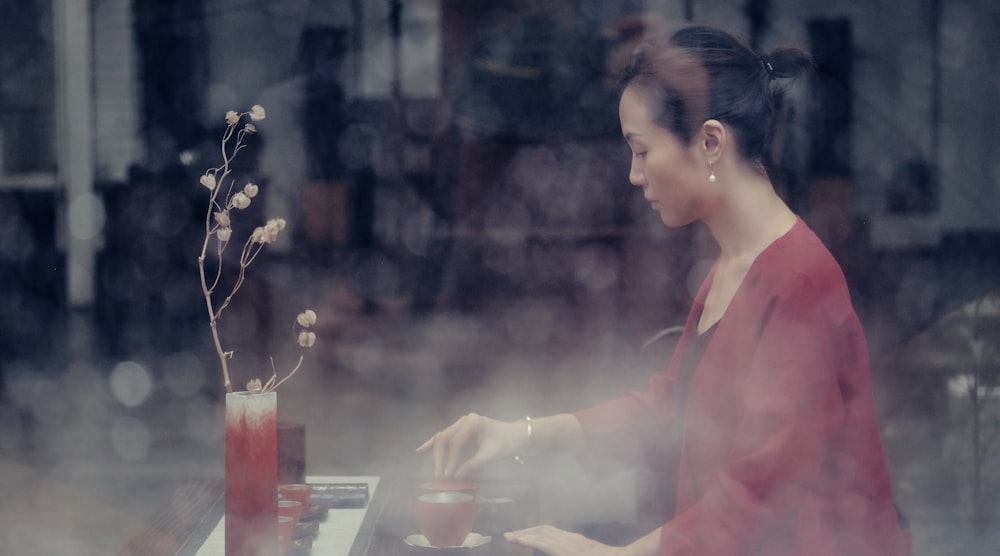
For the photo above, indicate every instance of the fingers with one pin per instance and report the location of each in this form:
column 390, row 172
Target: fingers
column 528, row 533
column 468, row 468
column 466, row 445
column 467, row 430
column 557, row 542
column 427, row 444
column 441, row 440
column 450, row 444
column 539, row 538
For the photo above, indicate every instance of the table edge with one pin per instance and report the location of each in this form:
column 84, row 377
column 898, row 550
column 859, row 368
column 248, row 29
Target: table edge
column 362, row 540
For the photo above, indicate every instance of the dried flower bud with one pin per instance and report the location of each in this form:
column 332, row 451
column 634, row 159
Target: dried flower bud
column 232, row 117
column 255, row 386
column 258, row 235
column 241, row 200
column 225, row 234
column 222, row 219
column 306, row 318
column 272, row 228
column 307, row 339
column 250, row 128
column 208, row 180
column 257, row 113
column 251, row 190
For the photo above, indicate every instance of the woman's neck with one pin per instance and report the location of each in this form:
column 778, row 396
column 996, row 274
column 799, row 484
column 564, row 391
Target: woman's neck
column 749, row 216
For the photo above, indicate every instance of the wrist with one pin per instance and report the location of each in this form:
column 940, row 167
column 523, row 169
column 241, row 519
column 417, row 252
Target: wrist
column 519, row 455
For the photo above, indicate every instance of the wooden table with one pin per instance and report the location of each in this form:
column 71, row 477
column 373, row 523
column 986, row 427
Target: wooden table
column 191, row 522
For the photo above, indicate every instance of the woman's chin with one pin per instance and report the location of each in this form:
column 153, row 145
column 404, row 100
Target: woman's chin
column 672, row 221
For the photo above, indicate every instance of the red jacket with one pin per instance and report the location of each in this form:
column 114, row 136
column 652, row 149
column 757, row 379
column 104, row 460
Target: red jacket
column 780, row 450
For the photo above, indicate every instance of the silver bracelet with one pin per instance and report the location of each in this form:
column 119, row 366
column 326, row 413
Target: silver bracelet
column 519, row 458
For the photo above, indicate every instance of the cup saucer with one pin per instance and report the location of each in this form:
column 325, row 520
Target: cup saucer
column 473, row 540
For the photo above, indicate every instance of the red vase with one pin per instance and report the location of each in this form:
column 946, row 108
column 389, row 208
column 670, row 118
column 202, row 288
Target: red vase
column 251, row 474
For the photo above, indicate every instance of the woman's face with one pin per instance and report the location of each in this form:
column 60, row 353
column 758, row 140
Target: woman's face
column 673, row 178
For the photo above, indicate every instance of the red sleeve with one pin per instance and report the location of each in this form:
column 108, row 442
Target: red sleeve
column 787, row 412
column 610, row 428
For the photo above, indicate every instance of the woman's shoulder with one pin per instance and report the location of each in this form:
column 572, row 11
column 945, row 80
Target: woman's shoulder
column 800, row 259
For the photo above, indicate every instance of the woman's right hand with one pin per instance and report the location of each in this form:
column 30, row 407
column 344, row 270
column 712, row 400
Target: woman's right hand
column 472, row 442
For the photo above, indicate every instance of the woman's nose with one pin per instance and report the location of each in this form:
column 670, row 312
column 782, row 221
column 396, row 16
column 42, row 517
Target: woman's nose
column 635, row 175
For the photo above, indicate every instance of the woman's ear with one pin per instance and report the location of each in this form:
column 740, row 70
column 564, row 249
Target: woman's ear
column 714, row 138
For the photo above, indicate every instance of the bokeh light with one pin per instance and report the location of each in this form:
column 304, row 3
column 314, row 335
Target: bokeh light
column 130, row 383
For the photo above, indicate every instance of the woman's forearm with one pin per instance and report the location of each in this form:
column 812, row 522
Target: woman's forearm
column 556, row 433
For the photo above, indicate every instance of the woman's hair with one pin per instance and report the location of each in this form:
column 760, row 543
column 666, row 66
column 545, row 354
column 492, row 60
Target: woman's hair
column 701, row 73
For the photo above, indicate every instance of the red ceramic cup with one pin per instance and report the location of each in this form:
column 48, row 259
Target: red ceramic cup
column 291, row 508
column 445, row 518
column 449, row 484
column 297, row 492
column 286, row 530
column 286, row 527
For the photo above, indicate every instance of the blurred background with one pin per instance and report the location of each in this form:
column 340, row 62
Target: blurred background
column 460, row 218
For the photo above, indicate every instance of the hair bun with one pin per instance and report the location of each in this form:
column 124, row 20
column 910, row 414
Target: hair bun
column 787, row 61
column 765, row 61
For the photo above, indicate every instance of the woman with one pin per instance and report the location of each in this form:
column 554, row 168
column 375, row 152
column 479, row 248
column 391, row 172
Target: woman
column 770, row 386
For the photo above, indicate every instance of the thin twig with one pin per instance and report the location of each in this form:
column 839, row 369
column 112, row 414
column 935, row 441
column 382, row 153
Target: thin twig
column 234, row 137
column 295, row 369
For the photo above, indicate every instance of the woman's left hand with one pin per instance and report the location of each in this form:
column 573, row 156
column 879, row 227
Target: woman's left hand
column 556, row 542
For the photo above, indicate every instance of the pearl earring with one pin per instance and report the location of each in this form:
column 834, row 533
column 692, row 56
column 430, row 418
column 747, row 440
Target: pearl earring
column 711, row 174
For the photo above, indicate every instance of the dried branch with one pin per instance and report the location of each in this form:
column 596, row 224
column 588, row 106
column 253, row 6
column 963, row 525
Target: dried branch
column 218, row 228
